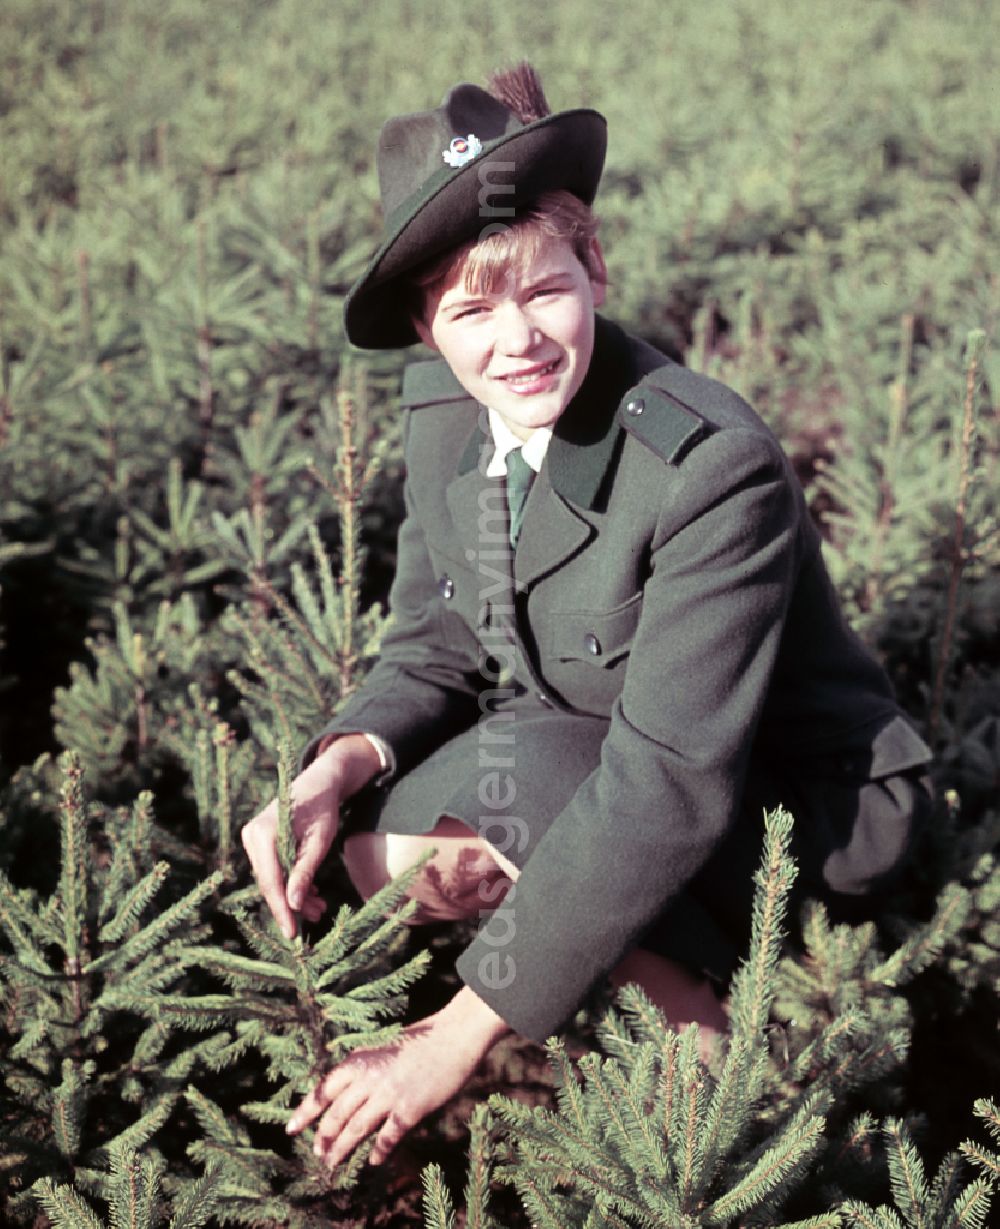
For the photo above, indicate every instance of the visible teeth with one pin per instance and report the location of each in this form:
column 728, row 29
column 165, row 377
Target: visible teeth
column 532, row 375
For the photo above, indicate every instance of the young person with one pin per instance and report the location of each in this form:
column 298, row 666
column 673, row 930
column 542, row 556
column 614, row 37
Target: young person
column 614, row 640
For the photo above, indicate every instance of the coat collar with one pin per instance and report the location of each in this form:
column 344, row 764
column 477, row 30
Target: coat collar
column 581, row 455
column 586, row 437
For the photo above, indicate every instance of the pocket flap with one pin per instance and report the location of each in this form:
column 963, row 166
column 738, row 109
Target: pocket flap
column 599, row 637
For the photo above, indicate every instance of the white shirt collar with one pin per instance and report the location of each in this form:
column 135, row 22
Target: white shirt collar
column 533, row 449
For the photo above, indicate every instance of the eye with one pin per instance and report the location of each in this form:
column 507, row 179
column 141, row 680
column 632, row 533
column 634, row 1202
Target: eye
column 464, row 313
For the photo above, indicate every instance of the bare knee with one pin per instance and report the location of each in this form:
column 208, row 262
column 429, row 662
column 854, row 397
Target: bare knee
column 683, row 996
column 462, row 879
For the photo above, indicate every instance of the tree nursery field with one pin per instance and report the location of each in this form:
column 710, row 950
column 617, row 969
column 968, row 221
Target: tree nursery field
column 199, row 498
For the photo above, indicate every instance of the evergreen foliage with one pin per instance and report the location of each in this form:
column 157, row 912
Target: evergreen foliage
column 986, row 1159
column 90, row 965
column 74, row 963
column 198, row 502
column 300, row 1006
column 132, row 1192
column 651, row 1137
column 944, row 1203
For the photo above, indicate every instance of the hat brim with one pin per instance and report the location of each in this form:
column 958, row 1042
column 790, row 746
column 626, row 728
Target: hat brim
column 565, row 150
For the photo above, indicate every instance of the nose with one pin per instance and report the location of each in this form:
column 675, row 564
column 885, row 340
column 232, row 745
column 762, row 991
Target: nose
column 516, row 333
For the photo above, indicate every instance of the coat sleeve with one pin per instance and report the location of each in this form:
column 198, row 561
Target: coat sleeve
column 421, row 691
column 673, row 764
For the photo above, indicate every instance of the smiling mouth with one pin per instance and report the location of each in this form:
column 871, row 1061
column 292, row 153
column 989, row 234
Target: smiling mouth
column 524, row 378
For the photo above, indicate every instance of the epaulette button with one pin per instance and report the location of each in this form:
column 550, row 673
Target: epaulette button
column 635, row 406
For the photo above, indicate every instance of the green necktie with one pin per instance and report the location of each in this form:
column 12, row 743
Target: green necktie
column 520, row 476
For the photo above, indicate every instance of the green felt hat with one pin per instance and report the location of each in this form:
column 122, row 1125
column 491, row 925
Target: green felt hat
column 447, row 175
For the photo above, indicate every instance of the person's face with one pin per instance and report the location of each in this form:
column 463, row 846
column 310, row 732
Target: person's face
column 525, row 350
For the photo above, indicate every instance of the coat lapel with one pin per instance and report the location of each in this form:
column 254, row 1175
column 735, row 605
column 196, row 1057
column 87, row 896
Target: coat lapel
column 574, row 478
column 551, row 532
column 478, row 512
column 469, row 495
column 474, row 500
column 580, row 459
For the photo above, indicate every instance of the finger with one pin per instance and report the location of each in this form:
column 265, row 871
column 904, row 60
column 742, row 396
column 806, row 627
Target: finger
column 313, row 908
column 393, row 1130
column 262, row 850
column 311, row 852
column 341, row 1111
column 355, row 1131
column 319, row 1099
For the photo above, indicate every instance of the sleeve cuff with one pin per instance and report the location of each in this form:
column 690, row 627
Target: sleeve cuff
column 385, row 756
column 386, row 759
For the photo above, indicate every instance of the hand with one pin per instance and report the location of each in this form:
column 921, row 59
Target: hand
column 336, row 773
column 390, row 1089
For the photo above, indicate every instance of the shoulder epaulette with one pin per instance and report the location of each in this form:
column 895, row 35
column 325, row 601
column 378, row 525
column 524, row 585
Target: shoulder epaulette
column 429, row 383
column 654, row 413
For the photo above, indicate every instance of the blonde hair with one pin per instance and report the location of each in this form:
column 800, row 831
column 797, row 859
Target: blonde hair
column 483, row 265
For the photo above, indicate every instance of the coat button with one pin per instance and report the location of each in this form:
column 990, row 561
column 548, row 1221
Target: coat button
column 446, row 587
column 544, row 699
column 635, row 406
column 592, row 644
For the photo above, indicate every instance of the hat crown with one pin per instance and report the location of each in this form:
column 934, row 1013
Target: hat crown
column 411, row 147
column 481, row 156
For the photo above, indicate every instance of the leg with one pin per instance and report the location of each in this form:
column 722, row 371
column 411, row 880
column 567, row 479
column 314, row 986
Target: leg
column 454, row 884
column 682, row 996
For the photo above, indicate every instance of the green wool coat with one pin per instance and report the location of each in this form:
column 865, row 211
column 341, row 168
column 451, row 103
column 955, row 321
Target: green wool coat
column 671, row 636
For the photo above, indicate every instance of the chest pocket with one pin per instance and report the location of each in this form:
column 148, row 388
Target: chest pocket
column 600, row 638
